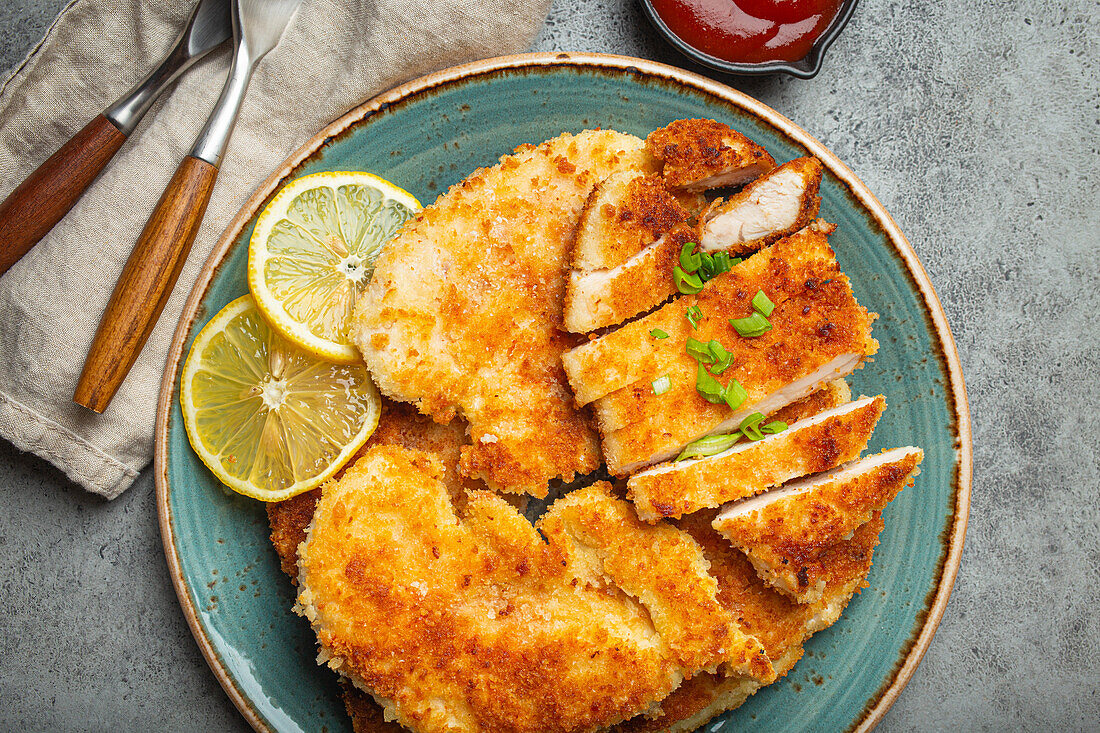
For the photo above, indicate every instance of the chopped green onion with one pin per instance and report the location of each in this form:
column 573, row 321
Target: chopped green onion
column 762, row 303
column 694, row 315
column 734, row 394
column 708, row 446
column 699, row 351
column 658, row 334
column 722, row 358
column 686, row 283
column 706, row 266
column 662, row 385
column 750, row 426
column 751, row 327
column 776, row 426
column 719, row 263
column 736, row 261
column 710, row 388
column 689, row 262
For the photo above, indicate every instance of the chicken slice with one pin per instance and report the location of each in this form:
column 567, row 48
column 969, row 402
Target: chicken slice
column 815, row 444
column 602, row 298
column 781, row 624
column 832, row 394
column 463, row 315
column 624, row 214
column 771, row 207
column 785, row 531
column 776, row 204
column 702, row 154
column 819, row 334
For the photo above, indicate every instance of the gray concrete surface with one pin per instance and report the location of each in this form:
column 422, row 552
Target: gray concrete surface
column 978, row 126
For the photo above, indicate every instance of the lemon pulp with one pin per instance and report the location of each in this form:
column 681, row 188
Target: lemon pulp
column 269, row 419
column 313, row 250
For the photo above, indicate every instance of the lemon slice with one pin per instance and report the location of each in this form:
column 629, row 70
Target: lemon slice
column 313, row 250
column 269, row 419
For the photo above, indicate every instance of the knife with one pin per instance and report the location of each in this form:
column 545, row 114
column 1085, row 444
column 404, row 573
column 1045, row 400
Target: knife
column 32, row 209
column 154, row 266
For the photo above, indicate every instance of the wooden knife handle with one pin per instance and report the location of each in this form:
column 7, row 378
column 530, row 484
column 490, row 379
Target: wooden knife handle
column 49, row 192
column 145, row 283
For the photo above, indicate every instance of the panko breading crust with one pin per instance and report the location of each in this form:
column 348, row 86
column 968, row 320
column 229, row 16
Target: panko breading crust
column 479, row 624
column 399, row 424
column 748, row 468
column 781, row 624
column 702, row 154
column 787, row 537
column 816, row 325
column 464, row 312
column 624, row 214
column 602, row 298
column 833, row 394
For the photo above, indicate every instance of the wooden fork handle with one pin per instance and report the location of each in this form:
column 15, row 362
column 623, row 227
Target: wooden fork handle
column 145, row 283
column 49, row 192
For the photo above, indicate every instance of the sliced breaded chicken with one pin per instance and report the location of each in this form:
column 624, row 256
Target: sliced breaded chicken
column 782, row 625
column 703, row 154
column 777, row 204
column 464, row 312
column 785, row 531
column 624, row 214
column 771, row 207
column 819, row 333
column 663, row 569
column 478, row 623
column 816, row 444
column 601, row 298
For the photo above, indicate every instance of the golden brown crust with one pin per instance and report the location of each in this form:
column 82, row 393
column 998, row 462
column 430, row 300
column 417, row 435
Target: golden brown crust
column 833, row 394
column 816, row 445
column 754, row 208
column 816, row 321
column 288, row 520
column 786, row 539
column 464, row 312
column 399, row 424
column 508, row 631
column 603, row 298
column 781, row 624
column 366, row 715
column 625, row 213
column 661, row 567
column 699, row 154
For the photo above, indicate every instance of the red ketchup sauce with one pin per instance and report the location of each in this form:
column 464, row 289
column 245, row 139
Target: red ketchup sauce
column 749, row 31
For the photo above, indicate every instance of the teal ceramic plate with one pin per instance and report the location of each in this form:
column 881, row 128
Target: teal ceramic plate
column 429, row 134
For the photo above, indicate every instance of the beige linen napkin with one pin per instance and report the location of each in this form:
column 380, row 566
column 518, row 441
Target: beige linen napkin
column 334, row 55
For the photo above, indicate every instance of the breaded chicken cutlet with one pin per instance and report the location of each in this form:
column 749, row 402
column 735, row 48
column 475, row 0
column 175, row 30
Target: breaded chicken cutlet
column 778, row 203
column 701, row 154
column 781, row 624
column 816, row 444
column 623, row 608
column 785, row 532
column 479, row 623
column 400, row 425
column 818, row 333
column 463, row 315
column 626, row 212
column 640, row 275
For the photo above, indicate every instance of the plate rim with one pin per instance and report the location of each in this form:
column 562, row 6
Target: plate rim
column 884, row 698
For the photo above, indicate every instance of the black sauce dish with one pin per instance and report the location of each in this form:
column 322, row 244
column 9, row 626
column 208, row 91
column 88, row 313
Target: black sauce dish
column 805, row 68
